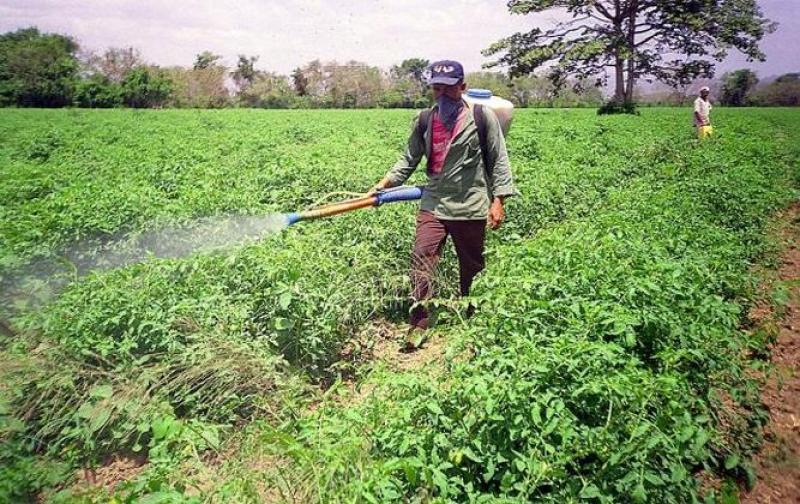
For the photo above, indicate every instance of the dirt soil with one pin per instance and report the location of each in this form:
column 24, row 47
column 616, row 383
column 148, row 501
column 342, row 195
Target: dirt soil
column 390, row 352
column 381, row 343
column 114, row 470
column 777, row 465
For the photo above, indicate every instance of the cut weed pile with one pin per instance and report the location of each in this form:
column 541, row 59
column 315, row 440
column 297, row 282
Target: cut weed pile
column 604, row 357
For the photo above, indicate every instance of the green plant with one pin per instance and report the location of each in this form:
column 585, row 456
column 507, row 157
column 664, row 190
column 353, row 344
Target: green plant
column 605, row 361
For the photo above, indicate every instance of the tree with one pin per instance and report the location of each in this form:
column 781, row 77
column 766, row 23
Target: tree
column 206, row 59
column 408, row 85
column 309, row 80
column 114, row 64
column 245, row 73
column 37, row 69
column 353, row 84
column 349, row 85
column 666, row 40
column 145, row 87
column 268, row 90
column 736, row 86
column 102, row 75
column 299, row 82
column 413, row 69
column 198, row 88
column 97, row 91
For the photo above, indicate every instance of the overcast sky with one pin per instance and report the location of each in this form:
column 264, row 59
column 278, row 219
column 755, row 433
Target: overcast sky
column 288, row 33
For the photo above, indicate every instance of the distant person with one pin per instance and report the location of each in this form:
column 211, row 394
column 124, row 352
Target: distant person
column 702, row 113
column 462, row 195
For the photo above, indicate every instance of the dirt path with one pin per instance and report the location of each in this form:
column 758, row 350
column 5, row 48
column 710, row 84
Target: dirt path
column 778, row 463
column 381, row 343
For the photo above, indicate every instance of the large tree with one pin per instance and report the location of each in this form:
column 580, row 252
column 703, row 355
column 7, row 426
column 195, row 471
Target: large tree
column 667, row 40
column 37, row 69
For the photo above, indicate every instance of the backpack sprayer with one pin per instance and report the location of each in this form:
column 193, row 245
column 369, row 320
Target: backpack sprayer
column 503, row 110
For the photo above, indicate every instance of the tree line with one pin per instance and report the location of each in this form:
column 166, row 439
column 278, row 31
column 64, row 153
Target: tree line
column 50, row 70
column 743, row 88
column 737, row 88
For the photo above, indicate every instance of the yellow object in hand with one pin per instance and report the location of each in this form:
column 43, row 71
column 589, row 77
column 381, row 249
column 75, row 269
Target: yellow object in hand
column 705, row 132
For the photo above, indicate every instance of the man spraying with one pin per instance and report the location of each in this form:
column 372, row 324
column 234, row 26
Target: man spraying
column 466, row 186
column 702, row 113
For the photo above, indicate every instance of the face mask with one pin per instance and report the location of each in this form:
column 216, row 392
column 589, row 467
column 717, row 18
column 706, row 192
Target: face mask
column 449, row 110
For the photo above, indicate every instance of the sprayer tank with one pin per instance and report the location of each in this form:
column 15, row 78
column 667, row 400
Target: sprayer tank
column 503, row 109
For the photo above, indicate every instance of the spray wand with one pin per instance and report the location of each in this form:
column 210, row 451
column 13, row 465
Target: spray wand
column 402, row 193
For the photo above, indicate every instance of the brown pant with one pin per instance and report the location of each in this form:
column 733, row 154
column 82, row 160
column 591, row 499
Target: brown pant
column 468, row 238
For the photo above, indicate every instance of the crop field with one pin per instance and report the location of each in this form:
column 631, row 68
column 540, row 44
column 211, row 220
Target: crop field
column 610, row 358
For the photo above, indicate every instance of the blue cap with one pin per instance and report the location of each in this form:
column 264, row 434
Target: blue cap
column 445, row 72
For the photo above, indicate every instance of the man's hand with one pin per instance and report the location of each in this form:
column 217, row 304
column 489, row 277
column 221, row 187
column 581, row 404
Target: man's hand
column 496, row 213
column 383, row 184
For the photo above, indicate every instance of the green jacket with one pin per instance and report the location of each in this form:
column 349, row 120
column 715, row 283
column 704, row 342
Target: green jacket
column 460, row 191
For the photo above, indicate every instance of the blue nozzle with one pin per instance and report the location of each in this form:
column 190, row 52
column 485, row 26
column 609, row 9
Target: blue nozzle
column 292, row 218
column 398, row 194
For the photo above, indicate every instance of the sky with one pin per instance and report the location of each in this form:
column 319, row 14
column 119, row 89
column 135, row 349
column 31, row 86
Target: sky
column 289, row 33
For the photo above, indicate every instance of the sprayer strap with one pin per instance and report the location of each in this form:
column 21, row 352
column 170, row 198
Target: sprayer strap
column 422, row 127
column 480, row 123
